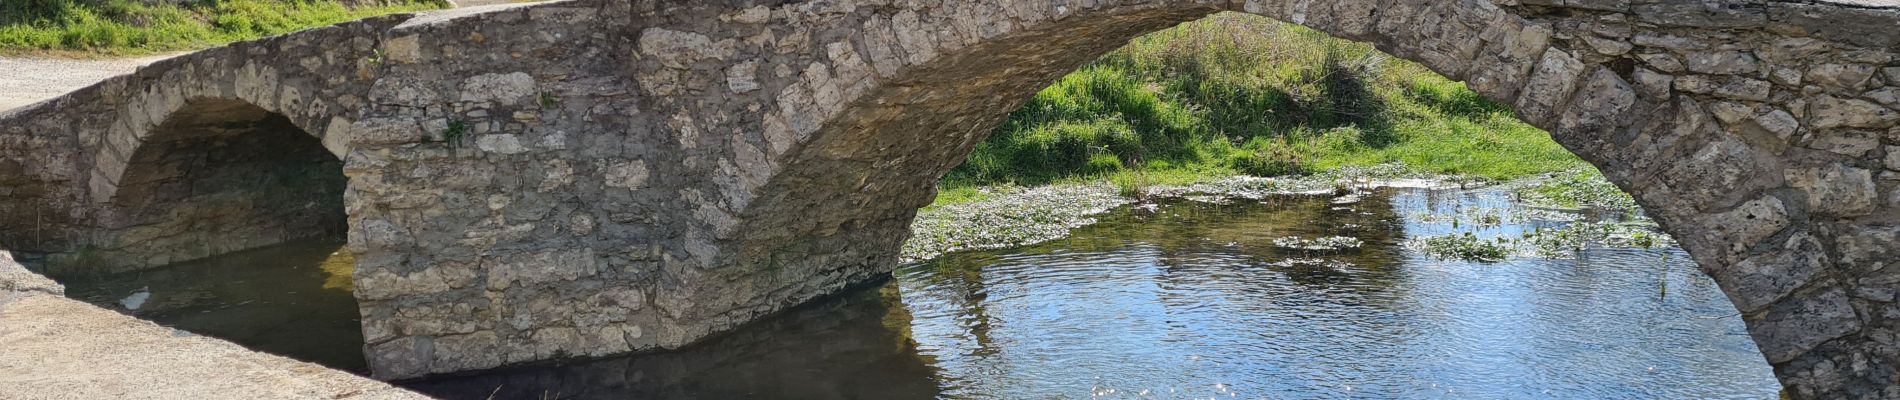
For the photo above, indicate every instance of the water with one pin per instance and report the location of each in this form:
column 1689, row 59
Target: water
column 1193, row 300
column 293, row 300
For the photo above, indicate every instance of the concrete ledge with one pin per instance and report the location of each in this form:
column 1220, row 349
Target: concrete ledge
column 52, row 347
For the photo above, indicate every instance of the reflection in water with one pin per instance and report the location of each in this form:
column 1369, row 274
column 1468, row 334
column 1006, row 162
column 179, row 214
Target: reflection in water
column 293, row 300
column 849, row 347
column 1195, row 301
column 1191, row 300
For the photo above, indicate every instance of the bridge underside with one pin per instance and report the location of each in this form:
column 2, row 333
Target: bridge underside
column 220, row 177
column 597, row 177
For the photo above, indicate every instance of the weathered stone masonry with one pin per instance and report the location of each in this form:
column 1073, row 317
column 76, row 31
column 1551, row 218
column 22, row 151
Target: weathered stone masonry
column 208, row 153
column 595, row 177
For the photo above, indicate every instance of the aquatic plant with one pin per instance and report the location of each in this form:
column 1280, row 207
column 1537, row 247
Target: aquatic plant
column 1310, row 263
column 1577, row 236
column 1009, row 219
column 1329, row 243
column 1576, row 189
column 1466, row 246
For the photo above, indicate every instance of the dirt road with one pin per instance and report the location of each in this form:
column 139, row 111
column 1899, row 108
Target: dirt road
column 26, row 81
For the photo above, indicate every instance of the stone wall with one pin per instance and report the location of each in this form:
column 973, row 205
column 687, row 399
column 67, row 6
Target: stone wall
column 63, row 161
column 504, row 194
column 603, row 176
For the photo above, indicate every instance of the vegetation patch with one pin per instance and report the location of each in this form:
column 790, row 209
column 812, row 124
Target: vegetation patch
column 1310, row 263
column 132, row 27
column 1466, row 246
column 1562, row 242
column 1347, row 180
column 1577, row 236
column 1242, row 94
column 1324, row 244
column 1575, row 189
column 1007, row 219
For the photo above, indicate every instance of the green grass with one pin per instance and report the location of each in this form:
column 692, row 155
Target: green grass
column 1241, row 94
column 133, row 27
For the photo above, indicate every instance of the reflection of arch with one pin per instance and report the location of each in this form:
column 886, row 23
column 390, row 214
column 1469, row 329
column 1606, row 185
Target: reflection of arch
column 216, row 176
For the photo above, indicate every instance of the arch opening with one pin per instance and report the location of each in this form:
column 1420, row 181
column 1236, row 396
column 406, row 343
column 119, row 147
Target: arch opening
column 888, row 149
column 220, row 177
column 228, row 221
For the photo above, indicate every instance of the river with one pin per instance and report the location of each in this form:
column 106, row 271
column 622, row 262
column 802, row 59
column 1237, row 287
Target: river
column 1184, row 300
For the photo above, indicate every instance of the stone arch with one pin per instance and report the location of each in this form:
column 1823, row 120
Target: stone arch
column 1762, row 135
column 181, row 98
column 213, row 176
column 313, row 82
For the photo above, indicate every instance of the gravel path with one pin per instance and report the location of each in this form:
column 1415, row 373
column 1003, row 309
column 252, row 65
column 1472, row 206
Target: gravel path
column 25, row 81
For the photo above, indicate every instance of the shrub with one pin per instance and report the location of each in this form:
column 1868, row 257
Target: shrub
column 1238, row 93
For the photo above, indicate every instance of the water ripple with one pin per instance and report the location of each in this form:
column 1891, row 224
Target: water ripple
column 1195, row 300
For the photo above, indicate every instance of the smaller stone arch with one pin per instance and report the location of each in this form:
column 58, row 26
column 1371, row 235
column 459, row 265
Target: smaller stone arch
column 213, row 176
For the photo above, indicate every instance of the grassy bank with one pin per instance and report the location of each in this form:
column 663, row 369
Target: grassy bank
column 133, row 27
column 1240, row 94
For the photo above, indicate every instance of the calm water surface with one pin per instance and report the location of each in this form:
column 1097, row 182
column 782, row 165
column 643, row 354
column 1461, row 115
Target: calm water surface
column 293, row 300
column 1189, row 300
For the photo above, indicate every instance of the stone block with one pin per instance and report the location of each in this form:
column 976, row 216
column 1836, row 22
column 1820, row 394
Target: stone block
column 1833, row 112
column 1728, row 62
column 1596, row 112
column 1553, row 82
column 501, row 88
column 1837, row 190
column 1758, row 281
column 682, row 50
column 1841, row 78
column 1737, row 230
column 1701, row 15
column 1511, row 50
column 1725, row 163
column 1653, row 85
column 1869, row 248
column 1798, row 323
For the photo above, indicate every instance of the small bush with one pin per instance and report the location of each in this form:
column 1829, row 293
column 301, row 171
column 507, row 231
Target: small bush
column 1261, row 159
column 1104, row 163
column 1132, row 185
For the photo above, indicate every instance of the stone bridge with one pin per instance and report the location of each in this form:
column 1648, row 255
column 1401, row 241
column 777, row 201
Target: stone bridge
column 593, row 177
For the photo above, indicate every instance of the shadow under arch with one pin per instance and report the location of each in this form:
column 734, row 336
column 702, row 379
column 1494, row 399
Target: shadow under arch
column 217, row 176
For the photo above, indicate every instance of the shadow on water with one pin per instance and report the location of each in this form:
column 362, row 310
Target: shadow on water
column 293, row 300
column 846, row 347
